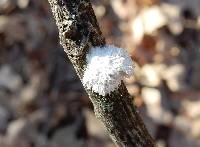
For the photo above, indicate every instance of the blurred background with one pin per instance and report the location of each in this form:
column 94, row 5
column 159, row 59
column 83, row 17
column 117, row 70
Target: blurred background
column 42, row 102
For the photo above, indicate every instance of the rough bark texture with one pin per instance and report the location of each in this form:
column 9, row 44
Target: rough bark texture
column 78, row 32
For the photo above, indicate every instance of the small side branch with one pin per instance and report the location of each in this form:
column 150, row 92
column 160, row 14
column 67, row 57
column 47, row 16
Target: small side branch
column 78, row 32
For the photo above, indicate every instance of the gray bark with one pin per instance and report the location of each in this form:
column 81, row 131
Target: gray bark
column 78, row 32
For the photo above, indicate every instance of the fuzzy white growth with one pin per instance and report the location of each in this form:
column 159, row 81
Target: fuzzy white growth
column 107, row 66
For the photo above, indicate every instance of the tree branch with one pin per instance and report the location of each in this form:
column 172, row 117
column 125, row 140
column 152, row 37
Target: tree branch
column 78, row 32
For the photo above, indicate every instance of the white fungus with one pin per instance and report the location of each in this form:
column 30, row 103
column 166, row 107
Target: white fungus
column 106, row 67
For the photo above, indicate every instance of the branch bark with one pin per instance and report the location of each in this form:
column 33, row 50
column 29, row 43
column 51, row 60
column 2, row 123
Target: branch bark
column 78, row 32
